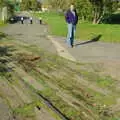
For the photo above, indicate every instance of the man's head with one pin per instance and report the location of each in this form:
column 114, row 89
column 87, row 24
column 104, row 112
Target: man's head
column 72, row 7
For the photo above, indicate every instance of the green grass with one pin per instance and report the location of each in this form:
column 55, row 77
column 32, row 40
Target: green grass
column 85, row 31
column 56, row 23
column 26, row 111
column 2, row 24
column 101, row 81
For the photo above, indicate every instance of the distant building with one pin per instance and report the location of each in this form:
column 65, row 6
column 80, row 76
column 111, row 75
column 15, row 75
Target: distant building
column 3, row 13
column 44, row 9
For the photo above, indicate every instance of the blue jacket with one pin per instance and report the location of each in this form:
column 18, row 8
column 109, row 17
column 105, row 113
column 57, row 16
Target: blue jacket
column 70, row 18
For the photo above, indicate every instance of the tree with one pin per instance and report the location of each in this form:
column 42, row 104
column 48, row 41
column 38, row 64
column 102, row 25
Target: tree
column 84, row 9
column 9, row 5
column 36, row 4
column 1, row 3
column 59, row 4
column 30, row 4
column 25, row 4
column 95, row 10
column 103, row 8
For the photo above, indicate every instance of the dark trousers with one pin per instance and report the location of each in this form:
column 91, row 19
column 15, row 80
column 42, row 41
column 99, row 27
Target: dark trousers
column 22, row 22
column 40, row 21
column 31, row 22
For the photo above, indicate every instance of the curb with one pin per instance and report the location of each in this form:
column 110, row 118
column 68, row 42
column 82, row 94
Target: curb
column 61, row 50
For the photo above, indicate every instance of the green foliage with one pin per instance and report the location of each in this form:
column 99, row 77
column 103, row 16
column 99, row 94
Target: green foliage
column 84, row 9
column 27, row 110
column 30, row 4
column 95, row 10
column 25, row 5
column 59, row 4
column 10, row 6
column 10, row 9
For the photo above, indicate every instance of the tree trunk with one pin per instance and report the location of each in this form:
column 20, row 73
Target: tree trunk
column 95, row 17
column 98, row 15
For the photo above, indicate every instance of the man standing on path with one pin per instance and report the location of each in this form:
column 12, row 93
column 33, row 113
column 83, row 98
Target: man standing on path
column 22, row 20
column 72, row 20
column 31, row 20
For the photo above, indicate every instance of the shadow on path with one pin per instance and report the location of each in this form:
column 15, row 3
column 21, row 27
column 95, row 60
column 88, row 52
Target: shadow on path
column 95, row 39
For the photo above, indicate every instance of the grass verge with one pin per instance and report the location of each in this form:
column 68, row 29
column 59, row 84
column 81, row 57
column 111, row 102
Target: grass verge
column 85, row 31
